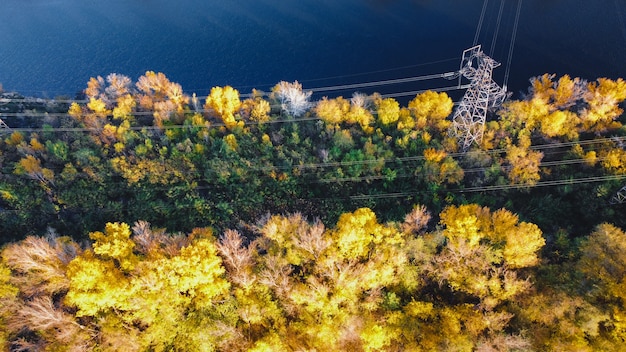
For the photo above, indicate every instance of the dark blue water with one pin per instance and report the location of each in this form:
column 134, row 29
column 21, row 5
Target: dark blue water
column 52, row 47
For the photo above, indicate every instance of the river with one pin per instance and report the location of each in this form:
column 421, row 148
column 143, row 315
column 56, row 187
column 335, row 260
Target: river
column 52, row 47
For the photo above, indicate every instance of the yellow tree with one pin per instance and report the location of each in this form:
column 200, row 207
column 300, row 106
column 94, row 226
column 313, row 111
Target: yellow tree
column 560, row 123
column 562, row 321
column 223, row 102
column 603, row 100
column 360, row 112
column 150, row 291
column 31, row 166
column 158, row 94
column 560, row 94
column 603, row 262
column 387, row 110
column 439, row 167
column 303, row 287
column 477, row 265
column 483, row 251
column 522, row 163
column 430, row 109
column 256, row 108
column 332, row 111
column 8, row 304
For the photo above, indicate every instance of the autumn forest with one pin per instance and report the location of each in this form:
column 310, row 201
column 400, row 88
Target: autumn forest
column 140, row 218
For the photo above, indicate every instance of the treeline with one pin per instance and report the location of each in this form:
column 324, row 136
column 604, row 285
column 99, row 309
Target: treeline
column 147, row 151
column 207, row 267
column 477, row 283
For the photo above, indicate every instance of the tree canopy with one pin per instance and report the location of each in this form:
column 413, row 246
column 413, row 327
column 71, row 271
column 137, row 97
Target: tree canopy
column 145, row 219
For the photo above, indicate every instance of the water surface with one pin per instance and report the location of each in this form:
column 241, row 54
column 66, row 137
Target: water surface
column 52, row 47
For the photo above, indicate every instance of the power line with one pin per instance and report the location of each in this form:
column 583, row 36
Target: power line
column 513, row 37
column 553, row 183
column 480, row 22
column 620, row 18
column 421, row 157
column 367, row 84
column 359, row 74
column 69, row 101
column 415, row 92
column 30, row 113
column 550, row 183
column 381, row 83
column 341, row 87
column 495, row 34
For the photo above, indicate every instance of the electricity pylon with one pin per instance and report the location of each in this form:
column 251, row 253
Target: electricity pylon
column 468, row 122
column 3, row 127
column 619, row 197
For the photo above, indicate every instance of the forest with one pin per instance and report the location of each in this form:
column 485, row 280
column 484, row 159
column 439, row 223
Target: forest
column 140, row 218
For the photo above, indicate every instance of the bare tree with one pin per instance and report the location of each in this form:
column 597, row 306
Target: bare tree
column 291, row 97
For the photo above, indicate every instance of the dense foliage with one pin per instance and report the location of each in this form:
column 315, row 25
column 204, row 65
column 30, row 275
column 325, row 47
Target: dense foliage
column 475, row 283
column 228, row 276
column 147, row 151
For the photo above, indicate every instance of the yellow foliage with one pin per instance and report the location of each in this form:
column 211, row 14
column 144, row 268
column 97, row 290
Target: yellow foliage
column 434, row 155
column 523, row 166
column 333, row 111
column 196, row 272
column 431, row 109
column 224, row 102
column 270, row 343
column 566, row 92
column 266, row 139
column 115, row 243
column 119, row 147
column 603, row 99
column 483, row 249
column 75, row 111
column 96, row 286
column 526, row 114
column 472, row 224
column 375, row 338
column 362, row 116
column 98, row 106
column 405, row 121
column 468, row 223
column 36, row 145
column 560, row 123
column 32, row 167
column 155, row 171
column 522, row 241
column 231, row 142
column 388, row 111
column 15, row 138
column 603, row 259
column 614, row 160
column 109, row 134
column 257, row 109
column 355, row 232
column 8, row 293
column 543, row 86
column 440, row 168
column 125, row 105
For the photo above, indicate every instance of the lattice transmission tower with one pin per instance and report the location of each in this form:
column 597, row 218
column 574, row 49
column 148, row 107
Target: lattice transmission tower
column 468, row 122
column 4, row 127
column 619, row 197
